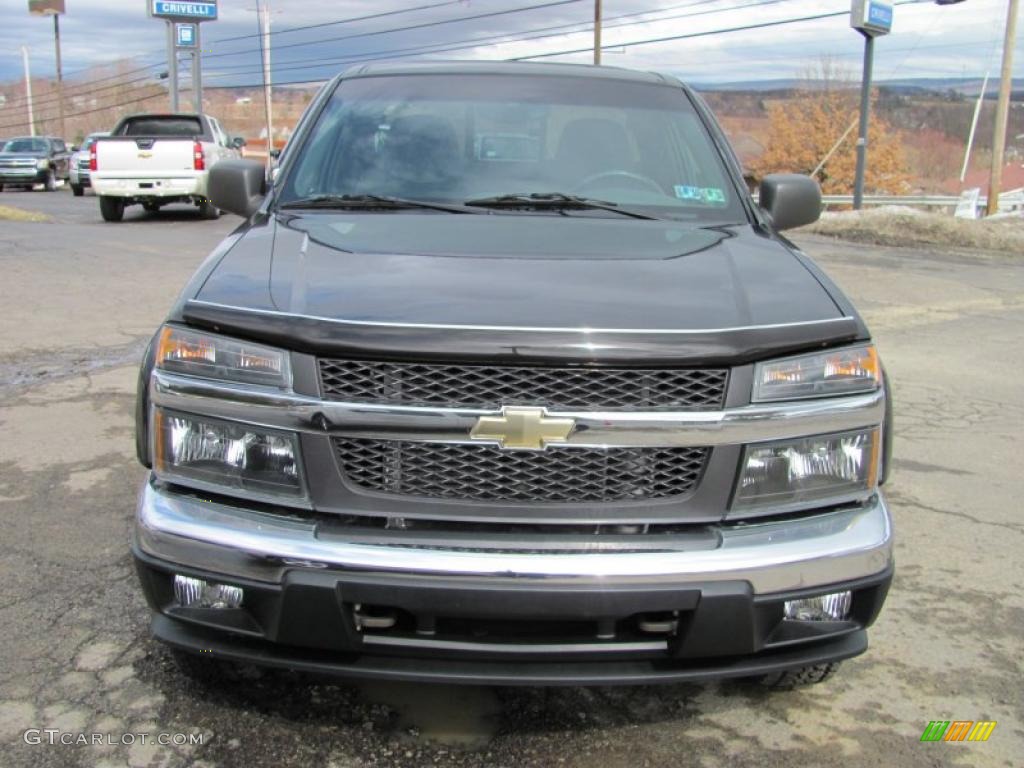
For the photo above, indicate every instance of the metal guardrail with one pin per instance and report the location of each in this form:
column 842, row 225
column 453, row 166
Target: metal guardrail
column 1010, row 201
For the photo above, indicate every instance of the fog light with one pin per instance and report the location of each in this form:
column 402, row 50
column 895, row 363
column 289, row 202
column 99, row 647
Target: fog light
column 834, row 606
column 197, row 593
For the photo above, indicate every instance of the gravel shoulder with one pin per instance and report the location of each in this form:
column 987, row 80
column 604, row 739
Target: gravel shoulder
column 899, row 226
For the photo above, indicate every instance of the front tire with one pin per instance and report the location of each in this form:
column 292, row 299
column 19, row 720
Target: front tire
column 802, row 677
column 50, row 185
column 111, row 208
column 77, row 190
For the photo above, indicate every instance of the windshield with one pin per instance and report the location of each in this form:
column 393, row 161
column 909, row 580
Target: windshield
column 449, row 138
column 26, row 145
column 156, row 125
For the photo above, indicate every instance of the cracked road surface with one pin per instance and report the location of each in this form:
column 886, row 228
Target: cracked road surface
column 81, row 298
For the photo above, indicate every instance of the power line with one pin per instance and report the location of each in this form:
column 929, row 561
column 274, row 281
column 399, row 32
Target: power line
column 68, row 95
column 505, row 37
column 691, row 35
column 410, row 27
column 136, row 100
column 343, row 21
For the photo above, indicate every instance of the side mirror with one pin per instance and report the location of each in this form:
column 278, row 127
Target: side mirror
column 790, row 199
column 275, row 153
column 74, row 148
column 237, row 186
column 238, row 142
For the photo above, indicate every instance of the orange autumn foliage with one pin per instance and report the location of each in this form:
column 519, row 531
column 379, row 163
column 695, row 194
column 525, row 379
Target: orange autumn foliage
column 805, row 127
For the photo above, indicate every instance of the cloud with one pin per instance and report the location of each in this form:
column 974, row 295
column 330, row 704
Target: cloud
column 928, row 40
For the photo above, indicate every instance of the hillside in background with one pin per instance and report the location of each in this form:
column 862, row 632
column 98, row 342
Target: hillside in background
column 931, row 116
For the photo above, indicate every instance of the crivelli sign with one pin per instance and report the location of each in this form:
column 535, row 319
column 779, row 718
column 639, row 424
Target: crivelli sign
column 200, row 10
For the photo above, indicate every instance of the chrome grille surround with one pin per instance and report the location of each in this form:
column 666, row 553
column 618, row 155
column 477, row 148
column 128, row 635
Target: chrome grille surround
column 490, row 474
column 492, row 386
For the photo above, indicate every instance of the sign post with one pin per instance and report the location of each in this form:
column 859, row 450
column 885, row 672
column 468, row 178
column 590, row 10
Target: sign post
column 872, row 19
column 184, row 33
column 53, row 8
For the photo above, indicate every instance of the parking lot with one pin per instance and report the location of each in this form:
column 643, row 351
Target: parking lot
column 80, row 300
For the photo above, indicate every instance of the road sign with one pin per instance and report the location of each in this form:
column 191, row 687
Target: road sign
column 201, row 10
column 185, row 35
column 45, row 7
column 871, row 17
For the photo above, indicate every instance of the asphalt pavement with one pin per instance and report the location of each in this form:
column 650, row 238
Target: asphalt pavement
column 80, row 299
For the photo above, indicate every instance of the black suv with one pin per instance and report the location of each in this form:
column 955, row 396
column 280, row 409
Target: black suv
column 30, row 160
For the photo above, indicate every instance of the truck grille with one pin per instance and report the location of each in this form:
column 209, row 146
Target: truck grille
column 488, row 473
column 490, row 386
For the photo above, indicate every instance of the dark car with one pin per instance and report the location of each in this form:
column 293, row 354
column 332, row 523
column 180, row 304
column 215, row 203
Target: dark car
column 31, row 160
column 79, row 164
column 505, row 378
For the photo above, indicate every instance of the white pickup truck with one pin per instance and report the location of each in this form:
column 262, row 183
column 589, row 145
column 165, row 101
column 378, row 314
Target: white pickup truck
column 157, row 159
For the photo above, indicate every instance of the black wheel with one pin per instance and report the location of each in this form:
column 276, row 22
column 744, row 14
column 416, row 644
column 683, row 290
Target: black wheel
column 799, row 678
column 208, row 210
column 151, row 207
column 77, row 190
column 111, row 208
column 51, row 181
column 1, row 187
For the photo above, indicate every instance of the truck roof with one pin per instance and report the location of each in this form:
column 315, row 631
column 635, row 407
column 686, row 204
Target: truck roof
column 505, row 68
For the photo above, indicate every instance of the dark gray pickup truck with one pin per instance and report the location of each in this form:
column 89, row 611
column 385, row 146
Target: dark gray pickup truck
column 505, row 378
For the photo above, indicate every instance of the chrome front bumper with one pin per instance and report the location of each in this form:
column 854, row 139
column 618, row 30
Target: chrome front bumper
column 817, row 550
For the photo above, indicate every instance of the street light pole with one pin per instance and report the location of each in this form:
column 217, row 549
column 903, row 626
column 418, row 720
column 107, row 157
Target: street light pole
column 865, row 110
column 266, row 75
column 28, row 91
column 1002, row 110
column 60, row 76
column 597, row 33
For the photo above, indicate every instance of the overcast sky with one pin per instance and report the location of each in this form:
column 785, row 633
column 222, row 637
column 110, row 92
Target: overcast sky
column 927, row 41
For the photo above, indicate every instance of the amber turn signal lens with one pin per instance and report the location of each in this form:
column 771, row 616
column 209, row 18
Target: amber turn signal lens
column 844, row 371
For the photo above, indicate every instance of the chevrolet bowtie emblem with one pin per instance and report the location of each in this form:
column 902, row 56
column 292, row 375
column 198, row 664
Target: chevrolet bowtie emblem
column 522, row 428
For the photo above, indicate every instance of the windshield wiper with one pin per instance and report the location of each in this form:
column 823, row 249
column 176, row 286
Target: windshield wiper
column 381, row 202
column 555, row 201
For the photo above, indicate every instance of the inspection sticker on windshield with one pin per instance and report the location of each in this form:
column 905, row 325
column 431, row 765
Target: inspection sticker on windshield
column 712, row 195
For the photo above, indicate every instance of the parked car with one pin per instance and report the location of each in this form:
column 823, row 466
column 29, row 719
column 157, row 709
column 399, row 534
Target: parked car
column 79, row 174
column 505, row 378
column 157, row 159
column 29, row 160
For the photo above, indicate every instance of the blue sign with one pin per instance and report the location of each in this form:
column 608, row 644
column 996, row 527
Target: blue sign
column 872, row 17
column 880, row 15
column 185, row 35
column 204, row 10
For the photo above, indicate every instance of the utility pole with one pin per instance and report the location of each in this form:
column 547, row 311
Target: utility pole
column 1002, row 109
column 28, row 91
column 60, row 76
column 266, row 76
column 597, row 33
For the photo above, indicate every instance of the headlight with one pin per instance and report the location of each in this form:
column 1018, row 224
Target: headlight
column 43, row 164
column 843, row 371
column 793, row 473
column 216, row 357
column 220, row 455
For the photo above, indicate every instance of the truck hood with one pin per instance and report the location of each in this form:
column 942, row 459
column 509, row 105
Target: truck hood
column 25, row 155
column 578, row 287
